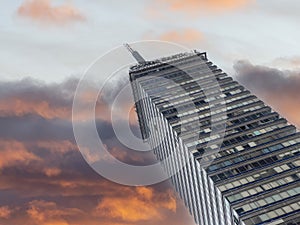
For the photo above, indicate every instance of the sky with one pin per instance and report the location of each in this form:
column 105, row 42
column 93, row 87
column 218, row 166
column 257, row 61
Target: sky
column 46, row 45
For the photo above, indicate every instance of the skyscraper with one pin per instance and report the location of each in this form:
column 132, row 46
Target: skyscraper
column 252, row 176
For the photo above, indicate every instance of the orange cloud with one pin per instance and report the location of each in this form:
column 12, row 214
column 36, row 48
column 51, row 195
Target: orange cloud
column 5, row 212
column 200, row 6
column 146, row 193
column 14, row 153
column 186, row 36
column 52, row 101
column 44, row 11
column 285, row 104
column 20, row 107
column 141, row 205
column 127, row 155
column 52, row 172
column 119, row 205
column 60, row 147
column 45, row 213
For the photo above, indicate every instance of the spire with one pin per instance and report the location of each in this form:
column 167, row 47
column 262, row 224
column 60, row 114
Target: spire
column 135, row 54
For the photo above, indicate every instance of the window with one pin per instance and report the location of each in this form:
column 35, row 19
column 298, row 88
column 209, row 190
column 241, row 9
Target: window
column 252, row 144
column 245, row 194
column 271, row 214
column 261, row 202
column 264, row 217
column 257, row 132
column 279, row 212
column 269, row 200
column 295, row 206
column 287, row 209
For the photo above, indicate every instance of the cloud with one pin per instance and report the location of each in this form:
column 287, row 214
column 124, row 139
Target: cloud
column 54, row 100
column 5, row 212
column 51, row 172
column 45, row 175
column 14, row 153
column 185, row 36
column 45, row 12
column 45, row 212
column 287, row 62
column 20, row 107
column 279, row 88
column 56, row 147
column 188, row 37
column 198, row 7
column 30, row 96
column 35, row 128
column 140, row 205
column 50, row 127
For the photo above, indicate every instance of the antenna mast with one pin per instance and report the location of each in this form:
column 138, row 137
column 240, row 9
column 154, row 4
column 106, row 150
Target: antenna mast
column 135, row 54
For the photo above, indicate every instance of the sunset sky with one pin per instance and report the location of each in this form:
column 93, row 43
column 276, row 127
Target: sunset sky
column 46, row 45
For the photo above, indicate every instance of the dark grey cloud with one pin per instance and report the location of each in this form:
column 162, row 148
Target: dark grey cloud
column 37, row 123
column 279, row 88
column 35, row 128
column 266, row 79
column 28, row 89
column 52, row 139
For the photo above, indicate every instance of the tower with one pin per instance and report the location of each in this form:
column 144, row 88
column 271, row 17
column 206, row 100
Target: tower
column 254, row 177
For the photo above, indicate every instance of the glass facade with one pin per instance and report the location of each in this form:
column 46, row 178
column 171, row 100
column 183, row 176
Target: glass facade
column 253, row 178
